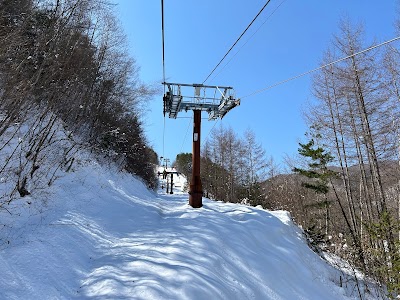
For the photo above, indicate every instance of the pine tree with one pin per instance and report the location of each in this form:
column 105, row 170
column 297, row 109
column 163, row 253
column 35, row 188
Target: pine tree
column 319, row 176
column 183, row 164
column 318, row 169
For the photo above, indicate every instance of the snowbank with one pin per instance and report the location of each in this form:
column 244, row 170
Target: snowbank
column 105, row 236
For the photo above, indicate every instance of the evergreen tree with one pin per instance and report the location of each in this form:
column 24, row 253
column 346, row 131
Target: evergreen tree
column 318, row 167
column 183, row 164
column 319, row 177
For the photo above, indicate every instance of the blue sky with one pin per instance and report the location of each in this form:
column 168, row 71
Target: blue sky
column 198, row 34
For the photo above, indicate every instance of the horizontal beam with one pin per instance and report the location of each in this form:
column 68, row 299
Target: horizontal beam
column 199, row 85
column 200, row 98
column 198, row 106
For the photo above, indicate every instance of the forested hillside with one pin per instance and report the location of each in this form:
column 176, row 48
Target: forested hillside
column 354, row 122
column 66, row 83
column 344, row 187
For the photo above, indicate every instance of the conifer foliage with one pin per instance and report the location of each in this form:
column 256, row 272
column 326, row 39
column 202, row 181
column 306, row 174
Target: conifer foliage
column 183, row 163
column 319, row 176
column 318, row 167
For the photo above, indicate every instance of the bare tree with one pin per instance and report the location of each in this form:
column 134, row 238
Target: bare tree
column 353, row 118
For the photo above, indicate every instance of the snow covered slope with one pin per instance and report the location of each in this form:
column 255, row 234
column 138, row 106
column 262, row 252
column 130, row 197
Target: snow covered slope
column 103, row 235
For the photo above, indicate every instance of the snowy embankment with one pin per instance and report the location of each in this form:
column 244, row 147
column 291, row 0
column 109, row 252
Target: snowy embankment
column 103, row 235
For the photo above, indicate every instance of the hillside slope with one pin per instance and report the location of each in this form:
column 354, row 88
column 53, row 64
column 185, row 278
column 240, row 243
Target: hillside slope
column 103, row 235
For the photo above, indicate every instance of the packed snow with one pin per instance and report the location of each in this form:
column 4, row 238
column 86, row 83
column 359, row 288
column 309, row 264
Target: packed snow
column 103, row 235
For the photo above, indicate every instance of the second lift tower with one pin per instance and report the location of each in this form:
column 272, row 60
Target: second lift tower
column 217, row 101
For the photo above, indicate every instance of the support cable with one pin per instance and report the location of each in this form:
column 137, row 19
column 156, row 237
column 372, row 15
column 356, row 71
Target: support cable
column 255, row 32
column 163, row 65
column 319, row 68
column 163, row 43
column 248, row 26
column 187, row 131
column 163, row 141
column 211, row 130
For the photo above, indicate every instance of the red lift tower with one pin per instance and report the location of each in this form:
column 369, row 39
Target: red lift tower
column 217, row 101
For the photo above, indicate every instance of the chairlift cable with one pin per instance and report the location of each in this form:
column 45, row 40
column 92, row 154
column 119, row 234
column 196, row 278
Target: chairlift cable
column 245, row 43
column 234, row 44
column 211, row 129
column 163, row 43
column 319, row 68
column 163, row 63
column 187, row 131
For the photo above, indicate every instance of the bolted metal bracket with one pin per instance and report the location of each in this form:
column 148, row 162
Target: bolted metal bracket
column 216, row 100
